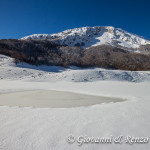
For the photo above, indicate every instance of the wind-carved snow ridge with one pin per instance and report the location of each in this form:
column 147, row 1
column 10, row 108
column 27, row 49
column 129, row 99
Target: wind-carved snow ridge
column 93, row 36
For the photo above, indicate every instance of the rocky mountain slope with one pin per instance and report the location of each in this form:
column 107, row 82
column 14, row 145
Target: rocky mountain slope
column 94, row 36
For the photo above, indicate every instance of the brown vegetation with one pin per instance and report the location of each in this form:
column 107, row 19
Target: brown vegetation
column 45, row 52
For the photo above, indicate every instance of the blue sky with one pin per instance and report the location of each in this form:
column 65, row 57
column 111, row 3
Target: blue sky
column 20, row 18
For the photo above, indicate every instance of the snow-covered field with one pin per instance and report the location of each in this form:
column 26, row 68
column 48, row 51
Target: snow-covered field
column 31, row 128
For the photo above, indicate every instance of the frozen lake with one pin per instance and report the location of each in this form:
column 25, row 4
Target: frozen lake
column 54, row 99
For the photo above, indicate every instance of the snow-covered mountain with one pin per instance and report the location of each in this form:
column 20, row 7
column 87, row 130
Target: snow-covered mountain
column 93, row 36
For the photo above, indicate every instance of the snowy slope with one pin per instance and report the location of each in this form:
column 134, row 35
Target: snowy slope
column 8, row 70
column 93, row 36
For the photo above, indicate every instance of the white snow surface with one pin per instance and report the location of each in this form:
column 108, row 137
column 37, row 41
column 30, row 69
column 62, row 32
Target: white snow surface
column 29, row 128
column 24, row 71
column 93, row 36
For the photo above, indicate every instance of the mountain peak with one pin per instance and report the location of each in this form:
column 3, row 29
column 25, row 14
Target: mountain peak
column 93, row 36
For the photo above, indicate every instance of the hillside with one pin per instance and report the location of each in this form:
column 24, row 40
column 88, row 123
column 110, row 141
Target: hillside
column 94, row 36
column 45, row 52
column 23, row 71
